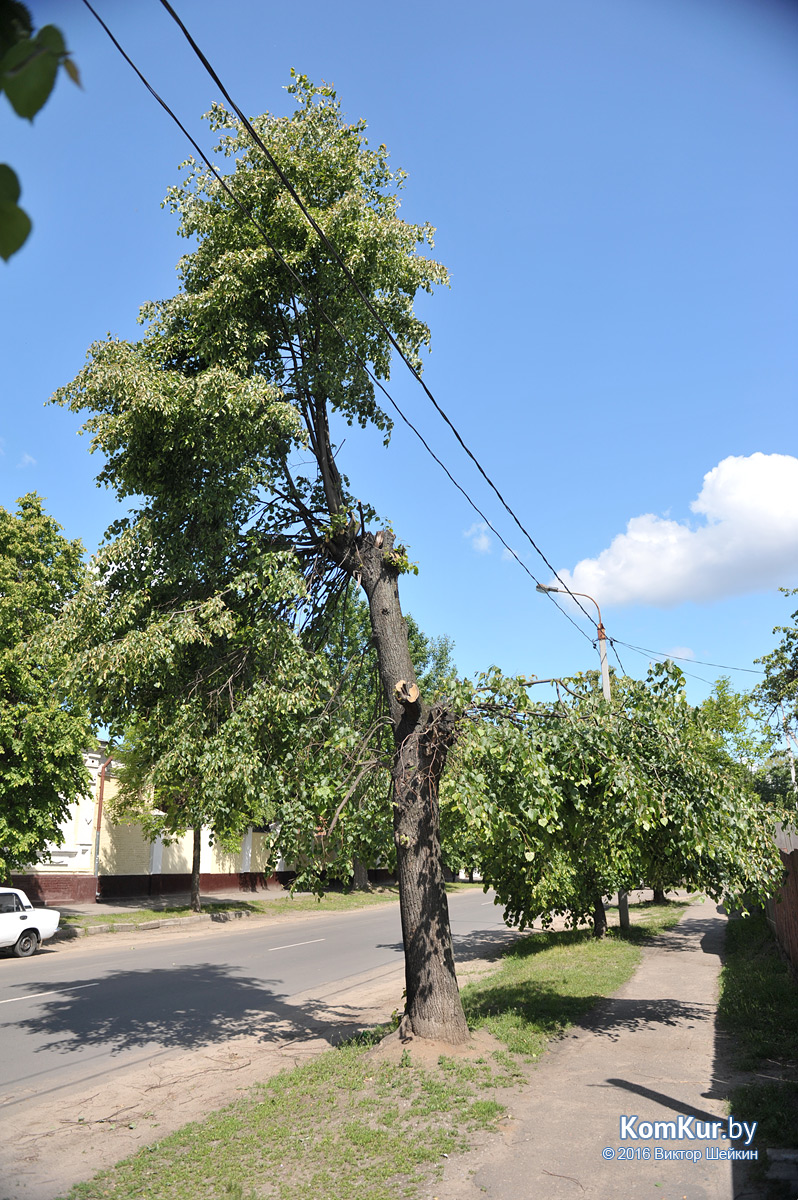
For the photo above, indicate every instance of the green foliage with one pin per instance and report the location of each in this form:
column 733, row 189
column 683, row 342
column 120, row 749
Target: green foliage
column 780, row 685
column 29, row 65
column 42, row 734
column 738, row 720
column 563, row 803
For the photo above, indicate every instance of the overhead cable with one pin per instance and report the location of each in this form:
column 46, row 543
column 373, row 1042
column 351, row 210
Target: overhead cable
column 687, row 658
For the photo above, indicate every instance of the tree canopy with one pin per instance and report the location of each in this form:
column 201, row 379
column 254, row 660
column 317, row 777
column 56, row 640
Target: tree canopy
column 42, row 733
column 570, row 801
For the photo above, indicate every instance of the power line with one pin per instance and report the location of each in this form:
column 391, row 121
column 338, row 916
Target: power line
column 316, row 304
column 617, row 655
column 254, row 135
column 686, row 658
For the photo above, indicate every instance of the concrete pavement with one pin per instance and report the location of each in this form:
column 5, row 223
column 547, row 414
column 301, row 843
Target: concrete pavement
column 650, row 1051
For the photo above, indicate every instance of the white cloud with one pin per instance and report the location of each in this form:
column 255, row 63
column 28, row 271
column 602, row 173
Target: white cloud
column 680, row 652
column 747, row 541
column 479, row 537
column 27, row 460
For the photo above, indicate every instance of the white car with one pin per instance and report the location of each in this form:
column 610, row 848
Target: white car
column 23, row 927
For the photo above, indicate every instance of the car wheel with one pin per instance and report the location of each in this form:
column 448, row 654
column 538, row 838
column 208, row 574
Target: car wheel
column 26, row 945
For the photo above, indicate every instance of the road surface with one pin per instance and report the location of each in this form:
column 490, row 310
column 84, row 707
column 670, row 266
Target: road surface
column 76, row 1013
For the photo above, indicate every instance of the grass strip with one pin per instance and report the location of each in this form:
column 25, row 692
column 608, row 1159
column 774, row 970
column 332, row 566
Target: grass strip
column 548, row 980
column 758, row 1006
column 345, row 1126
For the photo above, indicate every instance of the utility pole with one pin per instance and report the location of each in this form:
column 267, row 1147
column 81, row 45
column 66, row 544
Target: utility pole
column 623, row 899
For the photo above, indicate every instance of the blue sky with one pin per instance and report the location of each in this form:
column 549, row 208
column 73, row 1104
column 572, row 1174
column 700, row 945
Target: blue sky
column 613, row 185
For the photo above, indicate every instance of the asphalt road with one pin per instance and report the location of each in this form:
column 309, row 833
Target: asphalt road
column 74, row 1014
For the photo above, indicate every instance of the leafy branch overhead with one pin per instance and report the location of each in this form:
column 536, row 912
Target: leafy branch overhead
column 29, row 65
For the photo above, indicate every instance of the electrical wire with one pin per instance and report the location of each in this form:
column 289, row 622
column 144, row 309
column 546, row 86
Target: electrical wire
column 366, row 301
column 686, row 658
column 617, row 655
column 312, row 300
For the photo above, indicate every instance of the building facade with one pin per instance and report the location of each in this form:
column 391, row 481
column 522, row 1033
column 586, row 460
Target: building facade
column 100, row 858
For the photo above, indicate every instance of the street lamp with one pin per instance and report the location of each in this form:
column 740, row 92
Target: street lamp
column 623, row 901
column 602, row 636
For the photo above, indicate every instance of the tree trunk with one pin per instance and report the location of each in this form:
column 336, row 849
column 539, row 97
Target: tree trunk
column 659, row 896
column 599, row 918
column 422, row 737
column 360, row 876
column 196, row 902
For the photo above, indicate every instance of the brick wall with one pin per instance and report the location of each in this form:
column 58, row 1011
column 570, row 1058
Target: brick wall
column 785, row 908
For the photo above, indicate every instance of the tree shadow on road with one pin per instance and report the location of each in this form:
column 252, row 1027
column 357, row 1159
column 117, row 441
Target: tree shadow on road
column 175, row 1008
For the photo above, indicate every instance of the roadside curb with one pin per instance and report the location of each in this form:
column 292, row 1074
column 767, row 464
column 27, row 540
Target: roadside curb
column 68, row 933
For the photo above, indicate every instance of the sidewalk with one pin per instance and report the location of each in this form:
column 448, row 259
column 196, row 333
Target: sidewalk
column 165, row 903
column 648, row 1051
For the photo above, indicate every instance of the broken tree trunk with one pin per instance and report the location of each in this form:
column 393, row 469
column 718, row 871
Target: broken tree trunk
column 422, row 738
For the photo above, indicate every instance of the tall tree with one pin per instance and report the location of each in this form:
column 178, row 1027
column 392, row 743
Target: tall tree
column 42, row 734
column 778, row 691
column 241, row 316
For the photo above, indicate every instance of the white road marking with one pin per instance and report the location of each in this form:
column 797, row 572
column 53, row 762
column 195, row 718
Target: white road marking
column 291, row 945
column 57, row 992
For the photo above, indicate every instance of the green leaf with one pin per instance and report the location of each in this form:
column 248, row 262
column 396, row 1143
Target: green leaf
column 72, row 71
column 9, row 185
column 28, row 71
column 15, row 225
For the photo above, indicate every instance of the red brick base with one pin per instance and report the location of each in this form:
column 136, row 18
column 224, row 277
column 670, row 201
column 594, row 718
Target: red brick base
column 57, row 889
column 116, row 887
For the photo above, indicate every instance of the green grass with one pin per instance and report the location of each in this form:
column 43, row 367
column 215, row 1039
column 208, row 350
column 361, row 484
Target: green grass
column 341, row 1127
column 548, row 980
column 758, row 1006
column 345, row 1126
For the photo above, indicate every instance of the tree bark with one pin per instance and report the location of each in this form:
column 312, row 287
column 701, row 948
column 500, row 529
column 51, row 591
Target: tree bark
column 659, row 896
column 422, row 737
column 360, row 876
column 196, row 902
column 599, row 918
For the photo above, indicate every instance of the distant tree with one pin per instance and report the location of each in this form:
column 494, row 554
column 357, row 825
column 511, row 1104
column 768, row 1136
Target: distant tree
column 738, row 720
column 42, row 732
column 29, row 64
column 778, row 692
